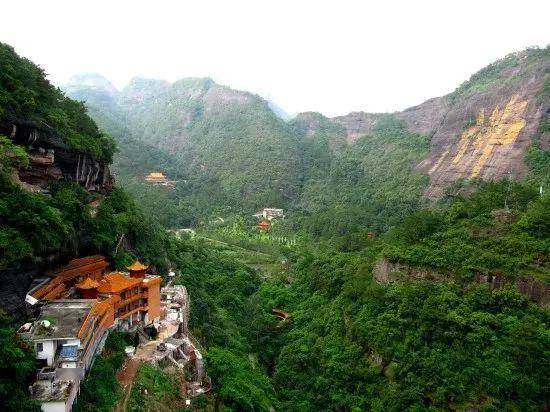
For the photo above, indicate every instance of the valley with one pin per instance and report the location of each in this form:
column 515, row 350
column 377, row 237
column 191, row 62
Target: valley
column 372, row 261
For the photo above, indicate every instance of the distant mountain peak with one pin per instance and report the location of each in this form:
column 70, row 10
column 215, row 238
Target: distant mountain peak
column 93, row 81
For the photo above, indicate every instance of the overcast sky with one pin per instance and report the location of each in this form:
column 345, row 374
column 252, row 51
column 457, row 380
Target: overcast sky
column 332, row 57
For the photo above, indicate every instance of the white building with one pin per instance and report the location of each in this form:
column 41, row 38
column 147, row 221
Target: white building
column 270, row 213
column 66, row 337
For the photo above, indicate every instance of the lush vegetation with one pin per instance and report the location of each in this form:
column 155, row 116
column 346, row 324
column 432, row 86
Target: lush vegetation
column 412, row 346
column 35, row 226
column 154, row 390
column 502, row 229
column 369, row 186
column 100, row 390
column 26, row 95
column 17, row 366
column 349, row 343
column 221, row 290
column 501, row 71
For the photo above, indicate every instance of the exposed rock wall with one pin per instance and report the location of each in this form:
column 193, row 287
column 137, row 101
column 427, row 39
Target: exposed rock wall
column 50, row 159
column 357, row 124
column 482, row 130
column 387, row 272
column 485, row 134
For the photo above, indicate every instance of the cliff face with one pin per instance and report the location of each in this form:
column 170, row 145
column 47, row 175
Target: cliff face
column 387, row 272
column 480, row 131
column 487, row 125
column 50, row 159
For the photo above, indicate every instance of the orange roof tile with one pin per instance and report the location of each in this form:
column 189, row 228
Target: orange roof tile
column 137, row 265
column 87, row 284
column 56, row 292
column 116, row 282
column 156, row 174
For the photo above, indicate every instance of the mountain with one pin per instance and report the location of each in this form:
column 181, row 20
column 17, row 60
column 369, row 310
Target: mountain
column 226, row 137
column 375, row 167
column 483, row 129
column 379, row 303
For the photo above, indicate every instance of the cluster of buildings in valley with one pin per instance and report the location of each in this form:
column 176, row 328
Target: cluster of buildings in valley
column 75, row 308
column 266, row 216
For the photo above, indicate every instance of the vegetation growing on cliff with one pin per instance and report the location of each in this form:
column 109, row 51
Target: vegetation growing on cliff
column 100, row 390
column 494, row 72
column 349, row 343
column 370, row 186
column 26, row 95
column 17, row 366
column 502, row 229
column 417, row 346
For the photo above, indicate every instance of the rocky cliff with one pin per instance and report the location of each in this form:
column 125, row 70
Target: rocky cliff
column 51, row 159
column 483, row 129
column 387, row 272
column 53, row 139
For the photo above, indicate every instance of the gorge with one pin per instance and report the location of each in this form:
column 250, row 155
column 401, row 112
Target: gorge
column 404, row 263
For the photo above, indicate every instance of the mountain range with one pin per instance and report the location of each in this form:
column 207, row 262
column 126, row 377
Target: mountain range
column 481, row 130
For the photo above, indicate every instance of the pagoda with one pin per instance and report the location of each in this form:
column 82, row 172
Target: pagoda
column 88, row 288
column 157, row 178
column 137, row 269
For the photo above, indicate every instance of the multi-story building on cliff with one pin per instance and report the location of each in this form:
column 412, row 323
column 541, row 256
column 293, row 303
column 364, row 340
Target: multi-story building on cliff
column 80, row 305
column 66, row 337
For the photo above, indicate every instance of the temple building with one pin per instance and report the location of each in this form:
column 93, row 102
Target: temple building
column 60, row 283
column 264, row 225
column 80, row 305
column 138, row 293
column 158, row 178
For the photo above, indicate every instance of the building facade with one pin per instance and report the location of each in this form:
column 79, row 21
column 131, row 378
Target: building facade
column 80, row 304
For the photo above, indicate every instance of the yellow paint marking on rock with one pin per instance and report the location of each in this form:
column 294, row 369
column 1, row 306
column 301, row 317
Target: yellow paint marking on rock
column 439, row 161
column 487, row 135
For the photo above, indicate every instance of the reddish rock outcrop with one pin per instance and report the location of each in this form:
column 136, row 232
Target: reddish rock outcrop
column 50, row 159
column 480, row 131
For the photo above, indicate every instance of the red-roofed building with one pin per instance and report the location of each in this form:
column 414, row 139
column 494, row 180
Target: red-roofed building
column 138, row 293
column 264, row 225
column 70, row 332
column 88, row 288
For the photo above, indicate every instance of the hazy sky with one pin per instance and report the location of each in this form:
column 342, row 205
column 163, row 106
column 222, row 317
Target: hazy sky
column 327, row 56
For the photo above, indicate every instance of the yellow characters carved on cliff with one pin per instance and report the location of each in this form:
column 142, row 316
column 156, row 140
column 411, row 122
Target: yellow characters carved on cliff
column 491, row 135
column 500, row 129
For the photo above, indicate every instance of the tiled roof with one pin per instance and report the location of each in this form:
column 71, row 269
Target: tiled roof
column 115, row 282
column 87, row 284
column 136, row 266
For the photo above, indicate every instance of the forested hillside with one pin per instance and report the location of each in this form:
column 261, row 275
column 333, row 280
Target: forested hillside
column 49, row 218
column 386, row 297
column 353, row 173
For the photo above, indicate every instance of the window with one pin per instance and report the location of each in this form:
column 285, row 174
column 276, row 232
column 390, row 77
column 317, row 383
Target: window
column 39, row 347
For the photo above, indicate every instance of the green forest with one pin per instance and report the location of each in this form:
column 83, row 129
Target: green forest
column 351, row 342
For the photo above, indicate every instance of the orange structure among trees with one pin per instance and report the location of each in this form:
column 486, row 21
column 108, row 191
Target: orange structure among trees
column 264, row 225
column 133, row 297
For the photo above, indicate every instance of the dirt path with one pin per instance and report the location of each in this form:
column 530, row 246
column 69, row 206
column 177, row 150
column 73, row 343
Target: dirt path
column 127, row 373
column 126, row 376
